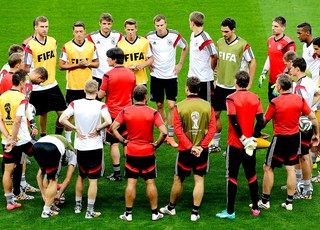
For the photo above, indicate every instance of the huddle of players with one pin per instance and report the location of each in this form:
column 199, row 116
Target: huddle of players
column 234, row 54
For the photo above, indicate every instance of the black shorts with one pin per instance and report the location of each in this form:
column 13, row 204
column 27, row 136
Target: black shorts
column 235, row 157
column 219, row 98
column 99, row 80
column 206, row 91
column 145, row 167
column 90, row 163
column 159, row 87
column 99, row 84
column 187, row 162
column 48, row 100
column 72, row 95
column 283, row 150
column 122, row 130
column 15, row 155
column 305, row 142
column 48, row 157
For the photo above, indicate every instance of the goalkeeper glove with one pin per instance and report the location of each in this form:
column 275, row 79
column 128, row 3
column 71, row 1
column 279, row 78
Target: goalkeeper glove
column 262, row 78
column 274, row 91
column 249, row 144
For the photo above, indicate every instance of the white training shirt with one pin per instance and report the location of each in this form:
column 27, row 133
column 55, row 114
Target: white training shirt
column 103, row 44
column 201, row 50
column 164, row 53
column 53, row 140
column 307, row 89
column 313, row 63
column 87, row 115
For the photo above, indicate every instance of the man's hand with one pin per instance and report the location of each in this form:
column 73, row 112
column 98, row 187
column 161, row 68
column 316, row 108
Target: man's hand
column 196, row 150
column 262, row 78
column 274, row 91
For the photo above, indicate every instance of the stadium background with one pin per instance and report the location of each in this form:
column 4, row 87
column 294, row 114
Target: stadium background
column 253, row 24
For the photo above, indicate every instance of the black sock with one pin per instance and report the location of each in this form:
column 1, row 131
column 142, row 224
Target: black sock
column 116, row 169
column 43, row 134
column 195, row 210
column 128, row 211
column 265, row 198
column 154, row 211
column 171, row 206
column 289, row 200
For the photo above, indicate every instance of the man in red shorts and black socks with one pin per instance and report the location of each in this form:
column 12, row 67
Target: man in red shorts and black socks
column 285, row 111
column 117, row 86
column 194, row 126
column 242, row 107
column 140, row 157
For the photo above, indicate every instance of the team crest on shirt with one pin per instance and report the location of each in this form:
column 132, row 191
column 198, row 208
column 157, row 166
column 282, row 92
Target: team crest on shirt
column 113, row 41
column 279, row 47
column 170, row 42
column 195, row 116
column 98, row 42
column 154, row 43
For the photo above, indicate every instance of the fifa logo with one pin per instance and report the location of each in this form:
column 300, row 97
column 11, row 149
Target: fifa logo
column 7, row 108
column 195, row 116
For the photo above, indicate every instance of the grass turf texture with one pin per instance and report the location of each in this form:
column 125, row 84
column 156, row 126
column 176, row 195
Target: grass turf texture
column 253, row 24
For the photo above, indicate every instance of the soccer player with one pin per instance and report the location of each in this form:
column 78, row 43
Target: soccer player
column 37, row 76
column 278, row 45
column 285, row 111
column 194, row 126
column 104, row 39
column 203, row 56
column 46, row 97
column 6, row 67
column 164, row 70
column 140, row 157
column 137, row 52
column 48, row 152
column 304, row 34
column 15, row 62
column 242, row 109
column 15, row 136
column 78, row 56
column 306, row 88
column 117, row 86
column 233, row 50
column 87, row 114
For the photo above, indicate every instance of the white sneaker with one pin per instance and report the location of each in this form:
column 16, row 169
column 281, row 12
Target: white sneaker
column 165, row 210
column 287, row 206
column 194, row 217
column 126, row 217
column 77, row 208
column 261, row 205
column 92, row 214
column 48, row 214
column 158, row 216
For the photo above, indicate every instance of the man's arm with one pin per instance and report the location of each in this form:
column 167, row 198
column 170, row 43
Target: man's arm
column 315, row 126
column 252, row 71
column 259, row 125
column 145, row 64
column 181, row 61
column 211, row 131
column 178, row 130
column 114, row 130
column 214, row 61
column 66, row 181
column 162, row 136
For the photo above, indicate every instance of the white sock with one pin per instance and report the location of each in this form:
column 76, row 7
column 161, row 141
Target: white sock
column 68, row 135
column 216, row 139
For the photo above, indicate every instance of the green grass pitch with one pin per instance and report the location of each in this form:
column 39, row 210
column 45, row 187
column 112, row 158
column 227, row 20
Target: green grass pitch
column 253, row 24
